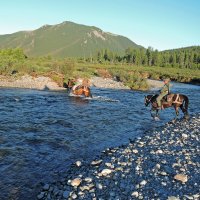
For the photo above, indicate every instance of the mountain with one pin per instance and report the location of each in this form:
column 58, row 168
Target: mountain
column 67, row 39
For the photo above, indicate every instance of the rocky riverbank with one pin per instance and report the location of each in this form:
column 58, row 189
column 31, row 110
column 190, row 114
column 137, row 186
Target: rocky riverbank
column 163, row 164
column 29, row 82
column 45, row 83
column 42, row 83
column 107, row 83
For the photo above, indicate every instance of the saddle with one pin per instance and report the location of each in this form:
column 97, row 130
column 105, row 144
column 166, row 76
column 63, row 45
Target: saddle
column 167, row 98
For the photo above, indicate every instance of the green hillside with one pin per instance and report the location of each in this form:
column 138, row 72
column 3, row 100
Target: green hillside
column 67, row 39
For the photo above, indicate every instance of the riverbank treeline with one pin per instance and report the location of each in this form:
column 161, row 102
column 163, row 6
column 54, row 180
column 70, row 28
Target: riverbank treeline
column 178, row 58
column 13, row 62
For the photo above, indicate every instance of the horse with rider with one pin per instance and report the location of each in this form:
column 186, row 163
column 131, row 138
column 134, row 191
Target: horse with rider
column 79, row 87
column 165, row 99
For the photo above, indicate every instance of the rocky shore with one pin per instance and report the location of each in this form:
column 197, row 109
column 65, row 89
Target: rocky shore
column 155, row 83
column 162, row 164
column 107, row 83
column 44, row 83
column 29, row 82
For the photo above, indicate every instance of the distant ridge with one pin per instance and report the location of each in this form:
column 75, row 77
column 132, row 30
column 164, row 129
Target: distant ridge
column 67, row 39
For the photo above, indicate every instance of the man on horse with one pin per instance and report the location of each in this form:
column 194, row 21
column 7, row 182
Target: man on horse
column 79, row 87
column 164, row 91
column 173, row 100
column 77, row 82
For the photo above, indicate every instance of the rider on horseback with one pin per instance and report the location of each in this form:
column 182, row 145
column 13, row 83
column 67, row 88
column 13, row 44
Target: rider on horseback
column 77, row 83
column 164, row 91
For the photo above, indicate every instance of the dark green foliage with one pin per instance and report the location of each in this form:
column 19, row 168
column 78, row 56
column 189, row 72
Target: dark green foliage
column 179, row 58
column 14, row 62
column 182, row 58
column 11, row 60
column 132, row 79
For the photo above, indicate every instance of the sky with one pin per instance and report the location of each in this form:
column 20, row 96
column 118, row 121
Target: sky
column 161, row 24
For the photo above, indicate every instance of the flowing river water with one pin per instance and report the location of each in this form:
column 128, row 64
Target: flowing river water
column 43, row 132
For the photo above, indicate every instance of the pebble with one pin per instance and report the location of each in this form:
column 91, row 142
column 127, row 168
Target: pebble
column 99, row 186
column 106, row 172
column 135, row 151
column 88, row 179
column 159, row 151
column 135, row 194
column 41, row 195
column 76, row 182
column 173, row 198
column 181, row 177
column 143, row 182
column 74, row 196
column 78, row 163
column 96, row 162
column 46, row 187
column 66, row 194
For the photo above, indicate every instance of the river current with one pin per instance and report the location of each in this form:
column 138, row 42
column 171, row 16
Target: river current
column 43, row 132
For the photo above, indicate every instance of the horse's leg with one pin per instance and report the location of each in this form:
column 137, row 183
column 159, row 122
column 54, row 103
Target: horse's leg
column 177, row 112
column 152, row 113
column 185, row 112
column 89, row 93
column 157, row 115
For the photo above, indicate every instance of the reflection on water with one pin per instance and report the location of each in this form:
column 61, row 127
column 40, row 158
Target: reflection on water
column 42, row 132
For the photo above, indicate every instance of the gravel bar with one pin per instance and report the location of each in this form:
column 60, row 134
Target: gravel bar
column 162, row 164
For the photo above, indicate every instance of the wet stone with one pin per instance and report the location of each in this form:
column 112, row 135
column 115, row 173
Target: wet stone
column 41, row 195
column 78, row 163
column 46, row 187
column 76, row 182
column 181, row 177
column 66, row 194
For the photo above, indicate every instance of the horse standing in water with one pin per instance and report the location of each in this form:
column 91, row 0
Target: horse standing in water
column 171, row 100
column 79, row 90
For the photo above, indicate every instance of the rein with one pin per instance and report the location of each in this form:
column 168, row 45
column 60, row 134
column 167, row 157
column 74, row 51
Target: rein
column 149, row 100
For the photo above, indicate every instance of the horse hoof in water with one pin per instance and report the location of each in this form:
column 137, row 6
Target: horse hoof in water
column 187, row 117
column 173, row 121
column 156, row 118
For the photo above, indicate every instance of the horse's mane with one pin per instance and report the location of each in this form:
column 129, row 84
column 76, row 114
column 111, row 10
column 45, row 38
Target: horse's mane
column 152, row 97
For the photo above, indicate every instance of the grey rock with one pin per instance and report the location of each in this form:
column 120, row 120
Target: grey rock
column 41, row 195
column 66, row 194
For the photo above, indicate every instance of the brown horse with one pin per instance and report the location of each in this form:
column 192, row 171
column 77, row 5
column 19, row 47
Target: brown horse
column 176, row 100
column 79, row 90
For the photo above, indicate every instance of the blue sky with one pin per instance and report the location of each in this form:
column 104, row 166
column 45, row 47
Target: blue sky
column 161, row 24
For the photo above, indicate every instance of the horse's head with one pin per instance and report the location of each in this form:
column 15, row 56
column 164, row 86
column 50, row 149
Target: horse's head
column 71, row 83
column 147, row 99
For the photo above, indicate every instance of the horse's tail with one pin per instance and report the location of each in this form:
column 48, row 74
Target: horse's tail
column 185, row 104
column 90, row 94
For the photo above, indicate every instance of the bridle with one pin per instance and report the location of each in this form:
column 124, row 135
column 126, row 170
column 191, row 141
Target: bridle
column 147, row 100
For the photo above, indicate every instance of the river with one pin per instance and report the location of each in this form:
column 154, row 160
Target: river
column 43, row 132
